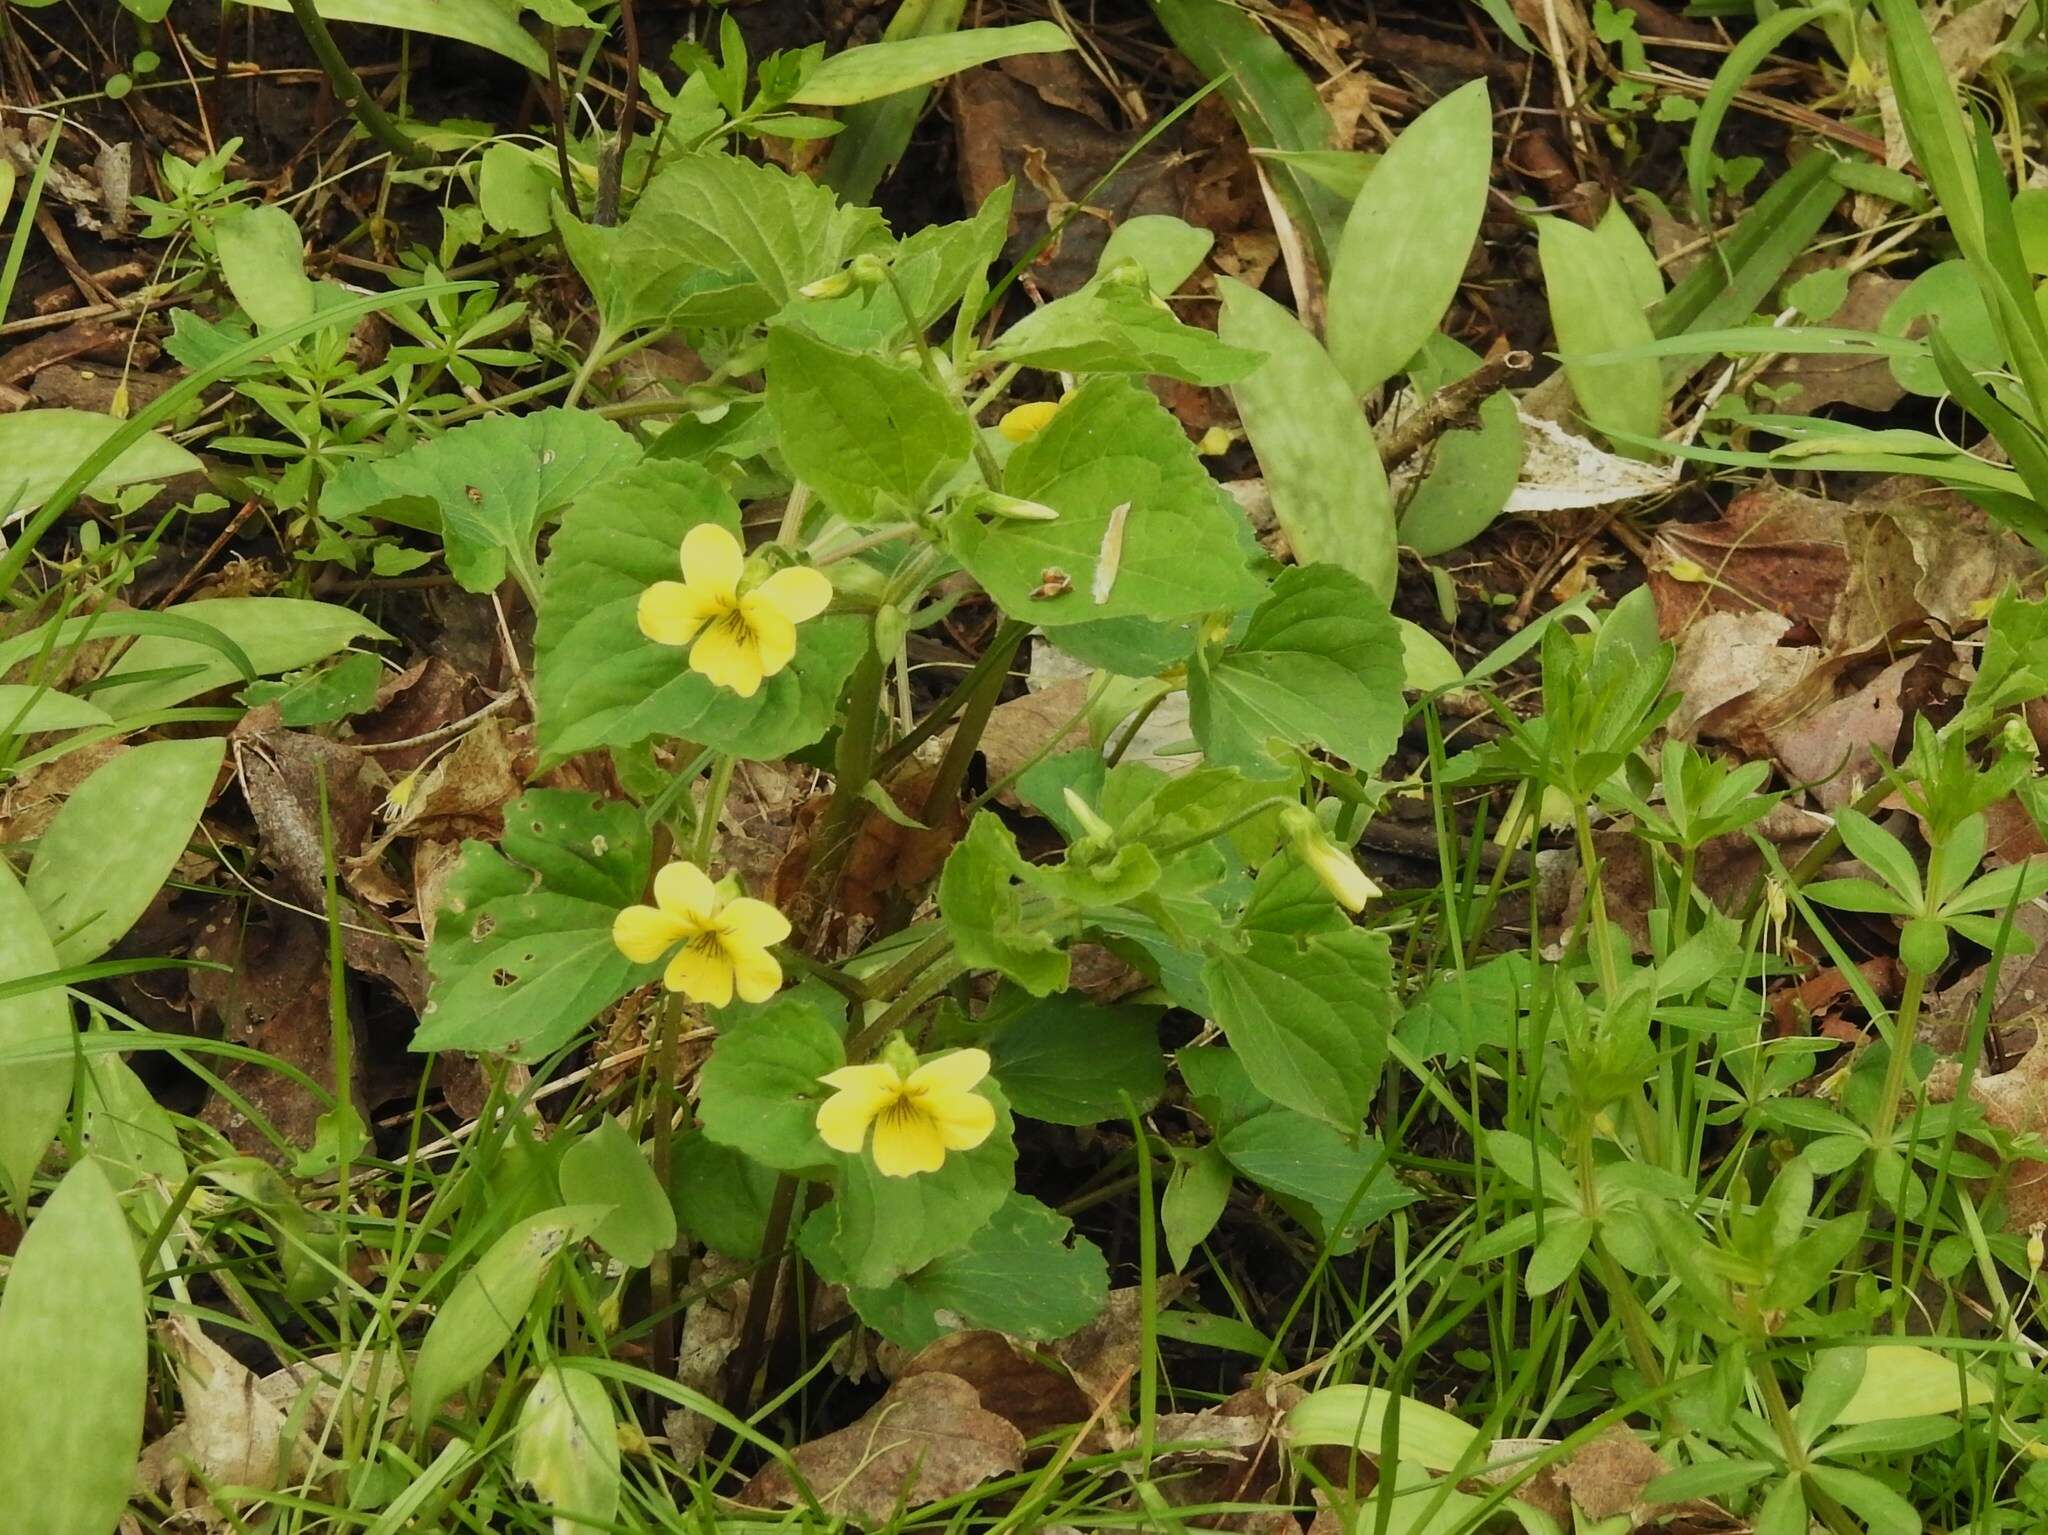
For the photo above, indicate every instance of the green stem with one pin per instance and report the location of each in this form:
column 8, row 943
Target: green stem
column 599, row 345
column 853, row 766
column 904, row 1008
column 992, row 671
column 351, row 92
column 1905, row 1020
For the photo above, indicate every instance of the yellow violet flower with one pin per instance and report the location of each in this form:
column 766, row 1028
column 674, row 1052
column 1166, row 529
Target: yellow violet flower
column 725, row 938
column 736, row 638
column 917, row 1119
column 1021, row 423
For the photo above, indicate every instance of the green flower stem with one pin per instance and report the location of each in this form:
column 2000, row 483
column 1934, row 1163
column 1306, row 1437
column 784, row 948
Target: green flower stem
column 1905, row 1023
column 853, row 765
column 991, row 471
column 354, row 97
column 767, row 1279
column 942, row 714
column 993, row 670
column 935, row 980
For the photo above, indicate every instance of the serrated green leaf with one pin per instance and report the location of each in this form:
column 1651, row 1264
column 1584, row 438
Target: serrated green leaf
column 760, row 1088
column 1183, row 549
column 1304, row 1160
column 1071, row 1061
column 1308, row 1020
column 717, row 240
column 601, row 682
column 488, row 488
column 877, row 439
column 606, row 1166
column 1018, row 1275
column 1110, row 326
column 1319, row 665
column 522, row 955
column 981, row 898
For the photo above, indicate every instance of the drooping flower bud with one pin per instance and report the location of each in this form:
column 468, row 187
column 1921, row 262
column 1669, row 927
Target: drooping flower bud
column 1339, row 872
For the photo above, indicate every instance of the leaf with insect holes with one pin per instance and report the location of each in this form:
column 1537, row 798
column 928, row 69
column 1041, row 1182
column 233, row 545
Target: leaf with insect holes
column 1142, row 529
column 878, row 1229
column 877, row 439
column 1319, row 665
column 601, row 682
column 487, row 488
column 522, row 955
column 1025, row 1274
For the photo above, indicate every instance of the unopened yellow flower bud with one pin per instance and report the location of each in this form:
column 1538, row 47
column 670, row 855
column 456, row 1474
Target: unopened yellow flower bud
column 1215, row 441
column 1021, row 423
column 1339, row 872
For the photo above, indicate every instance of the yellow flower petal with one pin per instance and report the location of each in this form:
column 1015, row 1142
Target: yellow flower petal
column 644, row 934
column 907, row 1143
column 685, row 891
column 670, row 613
column 1021, row 423
column 954, row 1072
column 798, row 593
column 860, row 1078
column 726, row 656
column 749, row 921
column 843, row 1118
column 755, row 972
column 701, row 972
column 964, row 1120
column 713, row 560
column 774, row 635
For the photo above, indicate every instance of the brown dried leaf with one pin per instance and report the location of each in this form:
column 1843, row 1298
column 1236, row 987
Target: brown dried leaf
column 1843, row 378
column 1607, row 1477
column 273, row 999
column 928, row 1438
column 1775, row 550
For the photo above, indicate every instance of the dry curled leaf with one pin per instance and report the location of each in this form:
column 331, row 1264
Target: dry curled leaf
column 928, row 1438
